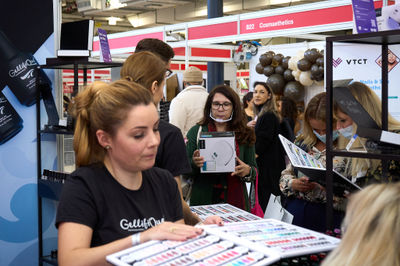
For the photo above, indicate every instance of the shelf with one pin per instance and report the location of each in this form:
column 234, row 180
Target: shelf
column 49, row 131
column 48, row 259
column 81, row 63
column 49, row 189
column 369, row 155
column 382, row 37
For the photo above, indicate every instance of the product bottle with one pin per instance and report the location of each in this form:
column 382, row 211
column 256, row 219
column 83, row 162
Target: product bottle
column 19, row 68
column 10, row 121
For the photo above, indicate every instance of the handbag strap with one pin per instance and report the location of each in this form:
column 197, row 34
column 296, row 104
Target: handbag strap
column 256, row 184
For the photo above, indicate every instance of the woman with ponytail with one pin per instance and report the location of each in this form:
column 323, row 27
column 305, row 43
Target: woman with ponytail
column 116, row 198
column 150, row 71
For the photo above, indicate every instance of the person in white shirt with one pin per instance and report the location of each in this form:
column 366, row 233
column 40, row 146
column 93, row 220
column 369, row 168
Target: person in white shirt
column 187, row 107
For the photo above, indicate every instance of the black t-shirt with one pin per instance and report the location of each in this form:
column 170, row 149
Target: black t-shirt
column 171, row 154
column 91, row 196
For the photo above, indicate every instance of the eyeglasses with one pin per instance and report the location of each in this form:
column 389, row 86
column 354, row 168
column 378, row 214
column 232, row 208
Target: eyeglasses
column 168, row 73
column 224, row 105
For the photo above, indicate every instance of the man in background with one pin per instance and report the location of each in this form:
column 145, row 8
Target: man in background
column 187, row 107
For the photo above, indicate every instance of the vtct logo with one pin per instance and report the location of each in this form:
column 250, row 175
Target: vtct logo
column 336, row 62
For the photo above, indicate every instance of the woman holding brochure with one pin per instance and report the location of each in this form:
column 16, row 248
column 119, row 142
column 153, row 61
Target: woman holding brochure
column 359, row 170
column 307, row 200
column 223, row 112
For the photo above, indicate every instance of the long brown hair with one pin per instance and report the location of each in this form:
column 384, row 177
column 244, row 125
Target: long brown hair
column 243, row 134
column 269, row 105
column 143, row 68
column 103, row 106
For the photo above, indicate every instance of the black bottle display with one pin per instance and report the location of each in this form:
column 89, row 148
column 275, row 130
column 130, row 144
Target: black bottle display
column 19, row 70
column 10, row 121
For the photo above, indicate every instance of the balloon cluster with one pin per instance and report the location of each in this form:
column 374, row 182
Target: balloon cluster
column 280, row 78
column 308, row 67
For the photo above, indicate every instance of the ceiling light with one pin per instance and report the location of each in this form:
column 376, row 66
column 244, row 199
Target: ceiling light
column 113, row 4
column 113, row 20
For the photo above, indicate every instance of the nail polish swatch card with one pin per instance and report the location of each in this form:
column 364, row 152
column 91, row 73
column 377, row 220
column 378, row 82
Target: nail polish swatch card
column 286, row 239
column 227, row 212
column 213, row 247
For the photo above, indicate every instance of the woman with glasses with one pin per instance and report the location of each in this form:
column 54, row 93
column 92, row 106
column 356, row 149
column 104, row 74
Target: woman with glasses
column 270, row 160
column 223, row 112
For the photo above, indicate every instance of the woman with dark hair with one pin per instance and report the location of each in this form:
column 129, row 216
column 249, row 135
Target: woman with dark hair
column 248, row 105
column 288, row 110
column 271, row 157
column 223, row 112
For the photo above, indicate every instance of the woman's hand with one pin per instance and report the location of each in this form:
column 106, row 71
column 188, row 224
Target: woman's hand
column 302, row 184
column 214, row 219
column 241, row 169
column 197, row 159
column 170, row 231
column 252, row 123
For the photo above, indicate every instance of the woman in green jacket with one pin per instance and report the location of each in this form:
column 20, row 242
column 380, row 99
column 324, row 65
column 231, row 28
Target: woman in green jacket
column 223, row 112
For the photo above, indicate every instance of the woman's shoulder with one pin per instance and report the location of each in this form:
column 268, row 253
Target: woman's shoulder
column 89, row 177
column 89, row 171
column 168, row 131
column 194, row 130
column 269, row 115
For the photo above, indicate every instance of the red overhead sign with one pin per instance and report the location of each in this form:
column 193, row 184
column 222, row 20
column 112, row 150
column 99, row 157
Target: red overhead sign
column 128, row 41
column 213, row 30
column 204, row 52
column 297, row 20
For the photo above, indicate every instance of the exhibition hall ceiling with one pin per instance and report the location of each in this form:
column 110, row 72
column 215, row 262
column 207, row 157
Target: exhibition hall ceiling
column 125, row 15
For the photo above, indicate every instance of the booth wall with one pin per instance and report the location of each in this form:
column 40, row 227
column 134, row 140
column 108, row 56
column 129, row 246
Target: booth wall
column 360, row 62
column 29, row 26
column 286, row 50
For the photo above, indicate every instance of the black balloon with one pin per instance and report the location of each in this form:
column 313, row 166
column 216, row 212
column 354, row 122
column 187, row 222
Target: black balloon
column 265, row 60
column 287, row 75
column 285, row 62
column 294, row 90
column 276, row 82
column 259, row 69
column 279, row 70
column 269, row 70
column 320, row 61
column 314, row 70
column 311, row 55
column 278, row 58
column 270, row 53
column 304, row 64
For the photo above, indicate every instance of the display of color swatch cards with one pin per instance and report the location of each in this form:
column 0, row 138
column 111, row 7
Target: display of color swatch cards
column 286, row 239
column 213, row 247
column 227, row 212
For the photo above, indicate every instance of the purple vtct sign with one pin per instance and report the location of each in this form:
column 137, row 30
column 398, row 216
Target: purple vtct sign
column 105, row 54
column 364, row 16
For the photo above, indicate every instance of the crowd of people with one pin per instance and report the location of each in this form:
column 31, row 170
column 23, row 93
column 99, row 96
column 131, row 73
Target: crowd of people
column 126, row 189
